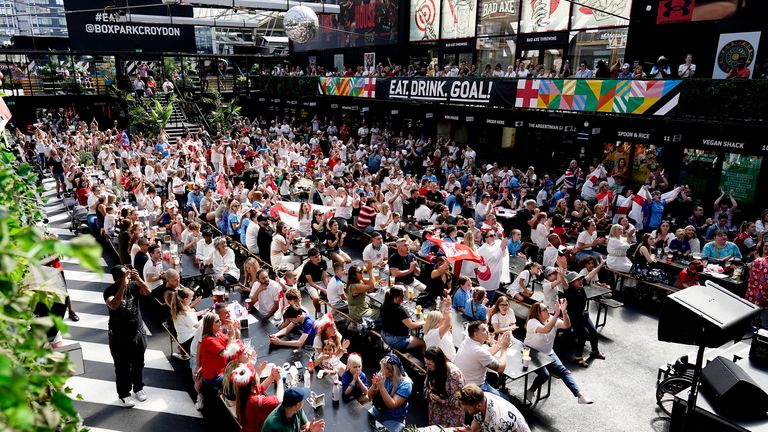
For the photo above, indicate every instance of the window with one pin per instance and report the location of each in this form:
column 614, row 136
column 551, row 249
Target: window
column 592, row 46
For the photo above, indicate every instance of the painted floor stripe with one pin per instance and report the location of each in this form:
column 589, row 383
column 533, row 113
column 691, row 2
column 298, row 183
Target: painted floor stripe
column 68, row 260
column 82, row 276
column 91, row 321
column 154, row 359
column 95, row 429
column 61, row 217
column 159, row 400
column 61, row 231
column 86, row 296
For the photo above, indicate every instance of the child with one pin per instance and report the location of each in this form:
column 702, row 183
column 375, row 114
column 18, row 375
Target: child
column 463, row 294
column 289, row 280
column 393, row 228
column 353, row 381
column 515, row 243
column 679, row 245
column 336, row 288
column 292, row 296
column 109, row 220
column 329, row 361
column 475, row 308
column 522, row 287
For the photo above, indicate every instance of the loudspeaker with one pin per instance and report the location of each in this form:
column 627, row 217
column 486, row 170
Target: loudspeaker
column 704, row 315
column 730, row 390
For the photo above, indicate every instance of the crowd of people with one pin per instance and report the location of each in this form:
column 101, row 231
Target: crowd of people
column 398, row 195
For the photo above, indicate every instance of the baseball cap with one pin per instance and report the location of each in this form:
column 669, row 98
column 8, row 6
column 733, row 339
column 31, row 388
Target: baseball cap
column 294, row 395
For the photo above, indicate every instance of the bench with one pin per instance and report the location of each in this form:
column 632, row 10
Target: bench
column 173, row 340
column 621, row 276
column 231, row 409
column 602, row 310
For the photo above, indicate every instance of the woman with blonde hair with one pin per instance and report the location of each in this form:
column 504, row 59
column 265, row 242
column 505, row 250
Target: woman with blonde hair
column 251, row 269
column 437, row 329
column 617, row 249
column 467, row 268
column 390, row 390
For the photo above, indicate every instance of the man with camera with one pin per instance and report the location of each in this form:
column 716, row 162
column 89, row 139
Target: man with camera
column 127, row 340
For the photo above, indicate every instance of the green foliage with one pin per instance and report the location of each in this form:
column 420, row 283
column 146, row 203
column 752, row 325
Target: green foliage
column 148, row 114
column 217, row 111
column 33, row 392
column 285, row 86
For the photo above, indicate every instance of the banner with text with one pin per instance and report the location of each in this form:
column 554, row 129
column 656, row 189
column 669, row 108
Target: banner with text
column 458, row 90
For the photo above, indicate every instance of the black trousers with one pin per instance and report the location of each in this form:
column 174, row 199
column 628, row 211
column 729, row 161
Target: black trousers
column 584, row 330
column 128, row 355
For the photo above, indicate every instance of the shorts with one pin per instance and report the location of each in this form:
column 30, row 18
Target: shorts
column 59, row 177
column 397, row 342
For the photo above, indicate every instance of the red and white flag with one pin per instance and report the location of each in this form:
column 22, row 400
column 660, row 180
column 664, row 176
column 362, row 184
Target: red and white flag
column 589, row 190
column 638, row 203
column 456, row 251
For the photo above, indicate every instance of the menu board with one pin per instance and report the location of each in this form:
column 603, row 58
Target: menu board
column 425, row 20
column 590, row 14
column 544, row 15
column 498, row 17
column 459, row 19
column 740, row 174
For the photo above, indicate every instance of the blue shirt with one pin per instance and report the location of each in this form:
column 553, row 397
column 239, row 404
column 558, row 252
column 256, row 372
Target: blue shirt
column 730, row 249
column 243, row 228
column 346, row 381
column 431, row 177
column 514, row 247
column 308, row 328
column 460, row 298
column 193, row 197
column 404, row 388
column 479, row 312
column 162, row 149
column 233, row 219
column 656, row 212
column 713, row 229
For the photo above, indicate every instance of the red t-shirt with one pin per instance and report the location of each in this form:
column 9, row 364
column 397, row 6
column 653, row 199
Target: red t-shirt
column 82, row 196
column 257, row 409
column 686, row 278
column 211, row 362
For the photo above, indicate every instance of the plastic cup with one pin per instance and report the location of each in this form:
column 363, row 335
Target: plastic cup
column 526, row 362
column 669, row 258
column 248, row 304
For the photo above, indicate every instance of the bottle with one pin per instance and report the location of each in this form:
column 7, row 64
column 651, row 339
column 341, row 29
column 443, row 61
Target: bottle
column 306, row 378
column 311, row 365
column 336, row 393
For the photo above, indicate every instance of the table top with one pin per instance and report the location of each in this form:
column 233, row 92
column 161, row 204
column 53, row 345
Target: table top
column 347, row 416
column 594, row 291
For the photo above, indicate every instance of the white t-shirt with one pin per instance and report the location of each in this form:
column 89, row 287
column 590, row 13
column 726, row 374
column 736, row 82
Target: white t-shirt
column 539, row 236
column 541, row 342
column 472, row 359
column 503, row 320
column 267, row 298
column 683, row 71
column 501, row 415
column 393, row 229
column 525, row 277
column 550, row 294
column 432, row 338
column 381, row 220
column 251, row 234
column 586, row 238
column 152, row 269
column 185, row 325
column 375, row 256
column 335, row 289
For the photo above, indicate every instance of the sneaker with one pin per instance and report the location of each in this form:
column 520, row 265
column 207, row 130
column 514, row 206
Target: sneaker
column 530, row 395
column 178, row 356
column 73, row 316
column 584, row 399
column 199, row 402
column 140, row 396
column 127, row 402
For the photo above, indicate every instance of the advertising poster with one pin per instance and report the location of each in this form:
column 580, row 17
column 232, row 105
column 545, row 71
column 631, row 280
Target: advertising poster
column 696, row 170
column 544, row 15
column 459, row 19
column 646, row 159
column 677, row 11
column 498, row 17
column 740, row 174
column 369, row 60
column 425, row 20
column 359, row 23
column 338, row 61
column 589, row 14
column 731, row 48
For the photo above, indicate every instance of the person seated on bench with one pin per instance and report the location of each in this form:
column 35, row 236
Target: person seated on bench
column 337, row 296
column 404, row 266
column 474, row 356
column 502, row 319
column 265, row 294
column 390, row 390
column 295, row 318
column 489, row 412
column 522, row 288
column 720, row 249
column 591, row 271
column 396, row 323
column 463, row 294
column 315, row 274
column 690, row 276
column 222, row 259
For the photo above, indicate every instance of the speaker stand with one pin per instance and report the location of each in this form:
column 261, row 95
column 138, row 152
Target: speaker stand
column 694, row 393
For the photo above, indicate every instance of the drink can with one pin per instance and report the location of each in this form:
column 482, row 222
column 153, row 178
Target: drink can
column 306, row 243
column 248, row 304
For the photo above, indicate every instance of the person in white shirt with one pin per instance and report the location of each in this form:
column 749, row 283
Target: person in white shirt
column 541, row 232
column 422, row 213
column 437, row 330
column 687, row 69
column 552, row 251
column 490, row 412
column 541, row 329
column 265, row 294
column 204, row 247
column 375, row 255
column 336, row 290
column 474, row 356
column 553, row 276
column 153, row 272
column 252, row 233
column 223, row 261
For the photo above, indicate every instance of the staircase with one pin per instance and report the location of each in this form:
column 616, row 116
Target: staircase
column 179, row 122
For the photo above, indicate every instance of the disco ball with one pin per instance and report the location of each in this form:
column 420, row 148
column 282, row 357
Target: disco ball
column 300, row 24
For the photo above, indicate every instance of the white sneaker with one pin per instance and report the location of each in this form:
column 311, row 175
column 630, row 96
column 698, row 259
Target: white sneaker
column 530, row 395
column 584, row 399
column 199, row 403
column 127, row 402
column 140, row 396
